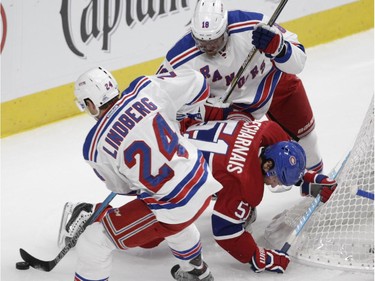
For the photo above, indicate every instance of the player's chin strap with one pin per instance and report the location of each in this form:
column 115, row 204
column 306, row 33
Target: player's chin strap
column 251, row 54
column 49, row 265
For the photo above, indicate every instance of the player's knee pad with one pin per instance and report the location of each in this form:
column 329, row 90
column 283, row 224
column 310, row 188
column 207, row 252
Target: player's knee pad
column 94, row 251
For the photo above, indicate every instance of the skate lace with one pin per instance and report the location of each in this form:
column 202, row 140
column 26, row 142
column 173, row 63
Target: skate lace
column 79, row 216
column 80, row 220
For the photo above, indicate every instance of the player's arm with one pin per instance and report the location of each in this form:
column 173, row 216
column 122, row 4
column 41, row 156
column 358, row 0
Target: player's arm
column 189, row 91
column 176, row 57
column 165, row 67
column 228, row 221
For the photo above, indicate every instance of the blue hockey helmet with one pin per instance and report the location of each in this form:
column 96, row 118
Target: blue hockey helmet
column 289, row 161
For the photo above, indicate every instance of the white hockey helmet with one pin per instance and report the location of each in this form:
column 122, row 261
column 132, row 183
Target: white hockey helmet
column 210, row 20
column 98, row 85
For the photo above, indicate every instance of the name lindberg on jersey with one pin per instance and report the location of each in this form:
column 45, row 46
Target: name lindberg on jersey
column 125, row 122
column 241, row 147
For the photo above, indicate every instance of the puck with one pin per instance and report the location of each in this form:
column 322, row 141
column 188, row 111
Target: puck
column 22, row 265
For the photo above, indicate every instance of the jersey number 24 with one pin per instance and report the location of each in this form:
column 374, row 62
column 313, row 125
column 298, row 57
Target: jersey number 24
column 168, row 145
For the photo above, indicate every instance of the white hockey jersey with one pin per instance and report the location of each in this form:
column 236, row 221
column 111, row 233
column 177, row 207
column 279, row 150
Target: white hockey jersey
column 137, row 146
column 255, row 88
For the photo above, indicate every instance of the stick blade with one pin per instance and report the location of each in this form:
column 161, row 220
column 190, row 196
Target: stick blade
column 36, row 263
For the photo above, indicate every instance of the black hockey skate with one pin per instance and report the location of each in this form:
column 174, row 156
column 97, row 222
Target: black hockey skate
column 74, row 216
column 201, row 272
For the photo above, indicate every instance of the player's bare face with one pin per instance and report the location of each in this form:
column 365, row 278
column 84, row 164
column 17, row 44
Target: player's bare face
column 211, row 47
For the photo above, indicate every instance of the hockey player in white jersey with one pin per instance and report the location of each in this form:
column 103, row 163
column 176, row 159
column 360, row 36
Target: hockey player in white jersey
column 136, row 147
column 218, row 44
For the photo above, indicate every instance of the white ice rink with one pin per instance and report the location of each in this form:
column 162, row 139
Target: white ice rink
column 43, row 168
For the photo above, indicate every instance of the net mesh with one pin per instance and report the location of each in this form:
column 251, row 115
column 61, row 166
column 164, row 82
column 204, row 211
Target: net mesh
column 340, row 232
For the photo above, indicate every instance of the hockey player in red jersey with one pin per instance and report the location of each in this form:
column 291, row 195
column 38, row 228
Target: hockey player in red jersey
column 218, row 44
column 243, row 158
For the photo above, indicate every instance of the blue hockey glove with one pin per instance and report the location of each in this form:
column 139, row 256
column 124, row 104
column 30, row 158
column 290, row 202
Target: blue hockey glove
column 268, row 39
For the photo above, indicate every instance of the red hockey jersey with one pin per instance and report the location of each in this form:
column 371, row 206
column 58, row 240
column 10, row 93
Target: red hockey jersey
column 232, row 149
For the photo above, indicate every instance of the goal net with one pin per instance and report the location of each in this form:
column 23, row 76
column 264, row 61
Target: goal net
column 340, row 233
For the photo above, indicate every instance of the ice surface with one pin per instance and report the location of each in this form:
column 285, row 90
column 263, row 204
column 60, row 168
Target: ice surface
column 43, row 168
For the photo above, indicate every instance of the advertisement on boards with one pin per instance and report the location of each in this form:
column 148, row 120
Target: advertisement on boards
column 45, row 44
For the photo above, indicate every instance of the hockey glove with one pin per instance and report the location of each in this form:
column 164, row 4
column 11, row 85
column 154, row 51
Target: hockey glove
column 271, row 260
column 268, row 39
column 215, row 109
column 313, row 184
column 186, row 123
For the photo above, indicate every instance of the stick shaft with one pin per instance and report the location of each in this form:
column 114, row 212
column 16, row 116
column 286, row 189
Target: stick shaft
column 314, row 204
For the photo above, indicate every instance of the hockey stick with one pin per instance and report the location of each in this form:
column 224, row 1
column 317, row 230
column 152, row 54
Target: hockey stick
column 310, row 210
column 252, row 53
column 49, row 265
column 308, row 214
column 314, row 204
